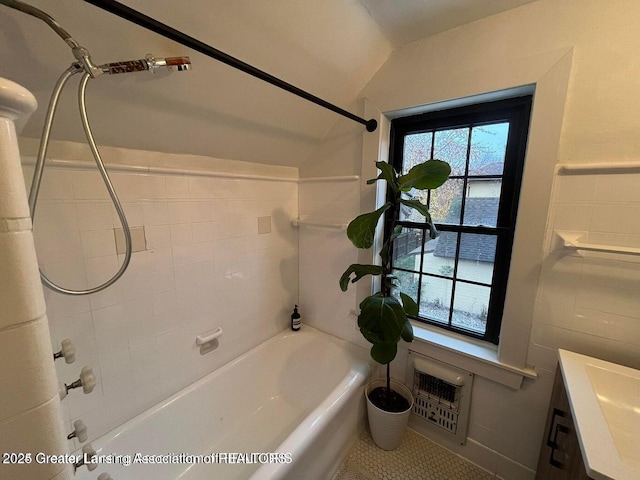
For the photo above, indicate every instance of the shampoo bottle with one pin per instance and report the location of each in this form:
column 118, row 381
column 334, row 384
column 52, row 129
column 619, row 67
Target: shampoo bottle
column 295, row 319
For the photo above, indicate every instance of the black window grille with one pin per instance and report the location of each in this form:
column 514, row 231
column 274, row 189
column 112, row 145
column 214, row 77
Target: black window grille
column 459, row 279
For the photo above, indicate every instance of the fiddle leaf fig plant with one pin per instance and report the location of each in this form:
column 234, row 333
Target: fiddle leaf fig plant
column 383, row 318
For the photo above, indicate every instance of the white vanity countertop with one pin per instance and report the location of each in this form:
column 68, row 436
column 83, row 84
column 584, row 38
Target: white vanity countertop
column 605, row 404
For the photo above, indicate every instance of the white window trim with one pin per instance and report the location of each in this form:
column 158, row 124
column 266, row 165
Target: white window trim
column 506, row 363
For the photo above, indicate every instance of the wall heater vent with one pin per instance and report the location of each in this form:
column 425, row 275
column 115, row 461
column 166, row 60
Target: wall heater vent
column 442, row 395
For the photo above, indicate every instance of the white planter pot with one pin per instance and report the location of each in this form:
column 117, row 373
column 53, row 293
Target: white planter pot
column 387, row 428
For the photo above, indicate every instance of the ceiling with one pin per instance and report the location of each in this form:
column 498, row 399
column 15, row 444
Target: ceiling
column 329, row 48
column 405, row 21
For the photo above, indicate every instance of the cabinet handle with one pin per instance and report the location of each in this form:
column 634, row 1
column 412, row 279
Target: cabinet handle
column 554, row 446
column 556, row 413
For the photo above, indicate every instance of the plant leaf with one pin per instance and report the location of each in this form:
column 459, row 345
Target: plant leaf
column 407, row 331
column 381, row 319
column 384, row 352
column 428, row 175
column 417, row 205
column 362, row 229
column 359, row 271
column 410, row 306
column 386, row 173
column 384, row 251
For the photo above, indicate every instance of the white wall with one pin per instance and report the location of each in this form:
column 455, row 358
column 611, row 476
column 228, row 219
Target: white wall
column 586, row 305
column 205, row 266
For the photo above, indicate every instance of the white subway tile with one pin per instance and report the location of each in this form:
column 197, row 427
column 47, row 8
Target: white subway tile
column 75, row 327
column 59, row 305
column 133, row 214
column 594, row 295
column 177, row 186
column 155, row 213
column 88, row 185
column 111, row 342
column 56, row 184
column 611, row 326
column 575, row 188
column 572, row 217
column 615, row 219
column 98, row 243
column 132, row 186
column 180, row 212
column 560, row 280
column 618, row 188
column 116, row 370
column 95, row 216
column 80, row 330
column 194, row 253
column 58, row 247
column 70, row 274
column 112, row 295
column 144, row 361
column 158, row 236
column 56, row 218
column 108, row 318
column 185, row 277
column 181, row 234
column 157, row 186
column 159, row 259
column 205, row 231
column 100, row 269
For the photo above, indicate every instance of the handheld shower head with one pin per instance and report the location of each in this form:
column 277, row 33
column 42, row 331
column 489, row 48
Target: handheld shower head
column 147, row 63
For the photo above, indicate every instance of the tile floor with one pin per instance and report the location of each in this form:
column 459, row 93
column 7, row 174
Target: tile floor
column 417, row 458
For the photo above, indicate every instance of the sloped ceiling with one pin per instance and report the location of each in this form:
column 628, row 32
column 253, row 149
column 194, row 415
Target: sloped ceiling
column 330, row 48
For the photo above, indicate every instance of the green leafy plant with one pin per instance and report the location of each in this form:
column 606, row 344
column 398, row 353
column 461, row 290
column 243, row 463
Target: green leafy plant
column 383, row 319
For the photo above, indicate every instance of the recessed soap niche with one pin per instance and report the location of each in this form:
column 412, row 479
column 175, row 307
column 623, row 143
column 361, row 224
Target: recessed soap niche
column 138, row 240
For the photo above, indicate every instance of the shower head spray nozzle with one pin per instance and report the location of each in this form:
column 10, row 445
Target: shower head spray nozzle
column 148, row 63
column 175, row 64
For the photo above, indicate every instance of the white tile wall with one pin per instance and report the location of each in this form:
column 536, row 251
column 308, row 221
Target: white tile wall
column 325, row 254
column 589, row 302
column 205, row 266
column 586, row 304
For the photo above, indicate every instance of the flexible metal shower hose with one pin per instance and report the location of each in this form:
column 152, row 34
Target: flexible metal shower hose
column 37, row 175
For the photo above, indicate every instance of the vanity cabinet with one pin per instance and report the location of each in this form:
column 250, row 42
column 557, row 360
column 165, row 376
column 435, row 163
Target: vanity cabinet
column 560, row 456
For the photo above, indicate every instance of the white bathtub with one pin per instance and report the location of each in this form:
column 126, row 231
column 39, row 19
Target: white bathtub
column 299, row 395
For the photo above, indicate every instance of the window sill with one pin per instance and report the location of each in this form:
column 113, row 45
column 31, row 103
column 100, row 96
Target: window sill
column 466, row 353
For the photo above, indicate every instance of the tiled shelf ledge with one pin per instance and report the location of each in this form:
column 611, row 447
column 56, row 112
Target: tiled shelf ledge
column 346, row 178
column 597, row 168
column 152, row 170
column 158, row 170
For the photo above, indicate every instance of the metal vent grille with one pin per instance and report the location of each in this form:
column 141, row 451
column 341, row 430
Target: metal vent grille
column 436, row 401
column 442, row 395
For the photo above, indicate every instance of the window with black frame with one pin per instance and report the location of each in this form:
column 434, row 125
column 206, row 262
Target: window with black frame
column 459, row 279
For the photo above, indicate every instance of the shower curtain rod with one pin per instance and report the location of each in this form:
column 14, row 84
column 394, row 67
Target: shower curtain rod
column 171, row 33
